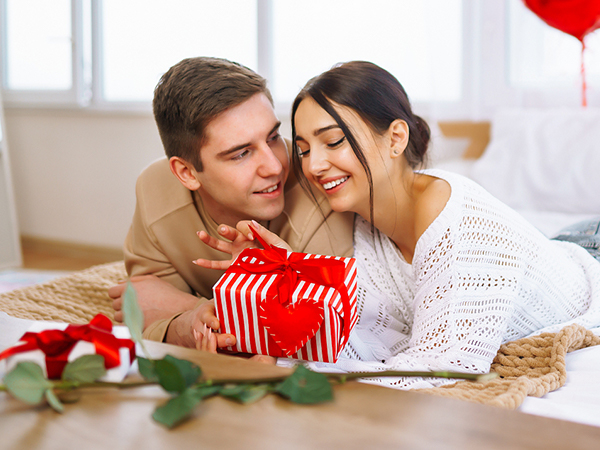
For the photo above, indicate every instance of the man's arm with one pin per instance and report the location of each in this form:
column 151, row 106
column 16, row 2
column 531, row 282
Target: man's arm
column 159, row 249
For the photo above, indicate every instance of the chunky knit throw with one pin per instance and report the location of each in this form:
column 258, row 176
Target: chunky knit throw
column 74, row 298
column 529, row 366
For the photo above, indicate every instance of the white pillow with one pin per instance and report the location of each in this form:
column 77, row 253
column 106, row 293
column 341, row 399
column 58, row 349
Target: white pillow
column 544, row 160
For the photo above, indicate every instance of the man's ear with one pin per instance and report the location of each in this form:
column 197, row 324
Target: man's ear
column 185, row 172
column 399, row 134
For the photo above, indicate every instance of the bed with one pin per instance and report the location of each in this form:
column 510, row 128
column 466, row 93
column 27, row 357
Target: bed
column 543, row 164
column 546, row 165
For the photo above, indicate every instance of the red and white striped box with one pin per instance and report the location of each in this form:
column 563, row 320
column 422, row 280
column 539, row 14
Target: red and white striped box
column 240, row 298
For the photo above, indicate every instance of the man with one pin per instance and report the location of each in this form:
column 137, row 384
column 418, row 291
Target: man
column 226, row 163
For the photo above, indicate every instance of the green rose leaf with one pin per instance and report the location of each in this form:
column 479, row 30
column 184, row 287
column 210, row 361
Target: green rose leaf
column 246, row 393
column 146, row 368
column 190, row 371
column 133, row 315
column 27, row 382
column 175, row 375
column 53, row 401
column 306, row 386
column 179, row 408
column 85, row 369
column 169, row 376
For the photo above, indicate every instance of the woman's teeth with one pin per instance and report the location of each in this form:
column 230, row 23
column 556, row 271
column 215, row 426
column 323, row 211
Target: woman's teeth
column 271, row 189
column 335, row 183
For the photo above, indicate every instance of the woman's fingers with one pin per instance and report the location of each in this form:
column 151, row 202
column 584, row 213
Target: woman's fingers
column 265, row 359
column 209, row 341
column 227, row 232
column 211, row 264
column 269, row 237
column 215, row 243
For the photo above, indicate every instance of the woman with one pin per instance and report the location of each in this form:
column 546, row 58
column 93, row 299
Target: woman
column 447, row 273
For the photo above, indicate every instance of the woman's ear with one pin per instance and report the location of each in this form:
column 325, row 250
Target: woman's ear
column 185, row 173
column 399, row 134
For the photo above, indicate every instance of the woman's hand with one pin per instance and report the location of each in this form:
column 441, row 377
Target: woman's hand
column 267, row 236
column 241, row 238
column 197, row 329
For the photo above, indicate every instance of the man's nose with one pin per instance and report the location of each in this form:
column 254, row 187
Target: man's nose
column 269, row 163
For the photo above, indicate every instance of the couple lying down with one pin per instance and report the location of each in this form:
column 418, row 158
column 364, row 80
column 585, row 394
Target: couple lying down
column 446, row 272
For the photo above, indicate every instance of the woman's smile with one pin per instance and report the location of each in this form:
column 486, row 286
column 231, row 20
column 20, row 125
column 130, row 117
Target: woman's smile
column 330, row 186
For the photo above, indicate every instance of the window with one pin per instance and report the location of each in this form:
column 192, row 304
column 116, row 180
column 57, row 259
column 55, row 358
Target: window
column 46, row 44
column 136, row 52
column 456, row 58
column 410, row 39
column 135, row 41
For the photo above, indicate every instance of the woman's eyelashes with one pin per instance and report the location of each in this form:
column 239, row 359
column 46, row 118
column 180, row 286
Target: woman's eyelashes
column 337, row 143
column 331, row 145
column 302, row 153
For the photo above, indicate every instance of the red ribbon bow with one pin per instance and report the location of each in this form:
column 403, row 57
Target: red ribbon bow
column 323, row 271
column 57, row 344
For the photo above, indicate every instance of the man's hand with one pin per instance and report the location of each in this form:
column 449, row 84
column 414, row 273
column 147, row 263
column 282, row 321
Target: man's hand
column 157, row 298
column 196, row 328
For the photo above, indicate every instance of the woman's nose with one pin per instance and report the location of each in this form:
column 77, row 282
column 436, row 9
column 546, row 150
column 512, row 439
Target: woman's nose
column 317, row 162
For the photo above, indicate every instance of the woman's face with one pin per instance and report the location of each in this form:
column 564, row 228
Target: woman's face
column 328, row 160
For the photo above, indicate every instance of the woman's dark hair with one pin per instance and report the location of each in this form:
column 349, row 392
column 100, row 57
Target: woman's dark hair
column 377, row 97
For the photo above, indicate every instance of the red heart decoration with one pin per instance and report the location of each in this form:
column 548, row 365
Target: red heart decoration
column 575, row 17
column 294, row 326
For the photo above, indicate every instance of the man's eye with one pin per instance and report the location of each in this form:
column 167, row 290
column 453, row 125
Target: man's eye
column 241, row 155
column 275, row 137
column 337, row 143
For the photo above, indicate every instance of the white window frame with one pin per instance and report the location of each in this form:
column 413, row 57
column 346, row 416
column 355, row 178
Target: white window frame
column 74, row 97
column 484, row 79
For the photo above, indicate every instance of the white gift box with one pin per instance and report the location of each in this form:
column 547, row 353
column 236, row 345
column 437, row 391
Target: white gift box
column 116, row 374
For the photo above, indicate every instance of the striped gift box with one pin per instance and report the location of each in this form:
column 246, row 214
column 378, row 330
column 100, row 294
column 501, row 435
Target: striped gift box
column 242, row 297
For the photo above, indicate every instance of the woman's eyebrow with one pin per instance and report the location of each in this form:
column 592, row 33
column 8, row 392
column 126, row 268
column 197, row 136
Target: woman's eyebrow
column 324, row 129
column 320, row 131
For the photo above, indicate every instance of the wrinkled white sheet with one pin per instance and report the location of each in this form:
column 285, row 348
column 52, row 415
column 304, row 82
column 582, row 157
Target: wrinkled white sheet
column 579, row 399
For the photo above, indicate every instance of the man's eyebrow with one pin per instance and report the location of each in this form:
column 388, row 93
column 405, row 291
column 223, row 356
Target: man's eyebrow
column 320, row 131
column 247, row 144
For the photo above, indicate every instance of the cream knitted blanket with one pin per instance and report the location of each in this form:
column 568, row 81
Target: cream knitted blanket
column 74, row 298
column 528, row 366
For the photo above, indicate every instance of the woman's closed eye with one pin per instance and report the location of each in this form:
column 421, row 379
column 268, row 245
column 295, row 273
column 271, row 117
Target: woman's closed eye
column 303, row 153
column 337, row 143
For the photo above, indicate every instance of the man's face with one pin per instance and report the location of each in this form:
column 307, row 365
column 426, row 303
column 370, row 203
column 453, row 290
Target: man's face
column 245, row 164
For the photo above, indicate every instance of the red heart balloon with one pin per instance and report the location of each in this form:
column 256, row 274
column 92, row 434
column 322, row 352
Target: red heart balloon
column 575, row 17
column 294, row 326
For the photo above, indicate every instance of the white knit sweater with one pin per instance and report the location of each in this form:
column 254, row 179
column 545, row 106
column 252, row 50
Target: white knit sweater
column 481, row 276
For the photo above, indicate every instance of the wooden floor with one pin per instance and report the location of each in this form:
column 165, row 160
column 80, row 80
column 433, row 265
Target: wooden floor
column 50, row 255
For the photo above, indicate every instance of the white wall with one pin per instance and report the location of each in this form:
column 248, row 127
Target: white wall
column 74, row 171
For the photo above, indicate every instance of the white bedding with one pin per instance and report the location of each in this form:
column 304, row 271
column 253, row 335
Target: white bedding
column 548, row 222
column 546, row 165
